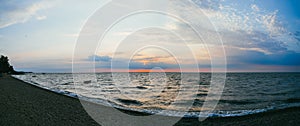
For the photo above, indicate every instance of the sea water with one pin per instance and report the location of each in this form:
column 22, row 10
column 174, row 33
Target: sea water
column 243, row 93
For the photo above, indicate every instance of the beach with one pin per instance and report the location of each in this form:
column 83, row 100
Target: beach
column 25, row 104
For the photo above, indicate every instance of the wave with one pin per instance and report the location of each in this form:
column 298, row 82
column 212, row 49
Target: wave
column 292, row 102
column 238, row 102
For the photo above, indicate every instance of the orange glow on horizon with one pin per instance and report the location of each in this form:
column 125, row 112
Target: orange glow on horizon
column 153, row 70
column 141, row 70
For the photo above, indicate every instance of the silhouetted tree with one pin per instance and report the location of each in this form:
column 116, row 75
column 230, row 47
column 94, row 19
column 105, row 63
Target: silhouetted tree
column 11, row 69
column 5, row 67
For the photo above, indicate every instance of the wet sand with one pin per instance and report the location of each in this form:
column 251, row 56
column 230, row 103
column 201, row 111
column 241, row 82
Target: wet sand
column 25, row 104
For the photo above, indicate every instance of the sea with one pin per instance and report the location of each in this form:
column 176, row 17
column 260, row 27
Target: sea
column 243, row 93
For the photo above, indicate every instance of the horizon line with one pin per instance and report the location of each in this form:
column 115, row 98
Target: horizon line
column 166, row 72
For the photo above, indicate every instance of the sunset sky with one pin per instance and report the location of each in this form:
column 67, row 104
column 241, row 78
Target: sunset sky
column 40, row 36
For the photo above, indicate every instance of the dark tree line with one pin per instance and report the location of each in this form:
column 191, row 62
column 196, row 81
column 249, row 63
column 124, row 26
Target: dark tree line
column 5, row 67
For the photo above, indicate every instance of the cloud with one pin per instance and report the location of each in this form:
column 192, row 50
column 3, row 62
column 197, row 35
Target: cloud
column 208, row 4
column 249, row 19
column 257, row 41
column 151, row 65
column 250, row 26
column 255, row 7
column 43, row 65
column 12, row 13
column 297, row 37
column 288, row 58
column 41, row 17
column 147, row 59
column 99, row 58
column 251, row 34
column 135, row 63
column 272, row 24
column 71, row 35
column 144, row 63
column 255, row 37
column 229, row 16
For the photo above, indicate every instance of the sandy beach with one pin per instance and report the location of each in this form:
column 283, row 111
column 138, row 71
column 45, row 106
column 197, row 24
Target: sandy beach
column 25, row 104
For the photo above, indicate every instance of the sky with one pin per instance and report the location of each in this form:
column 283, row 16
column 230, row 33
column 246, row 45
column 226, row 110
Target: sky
column 257, row 36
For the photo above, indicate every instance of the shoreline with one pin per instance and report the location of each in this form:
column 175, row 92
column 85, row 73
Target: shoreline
column 27, row 104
